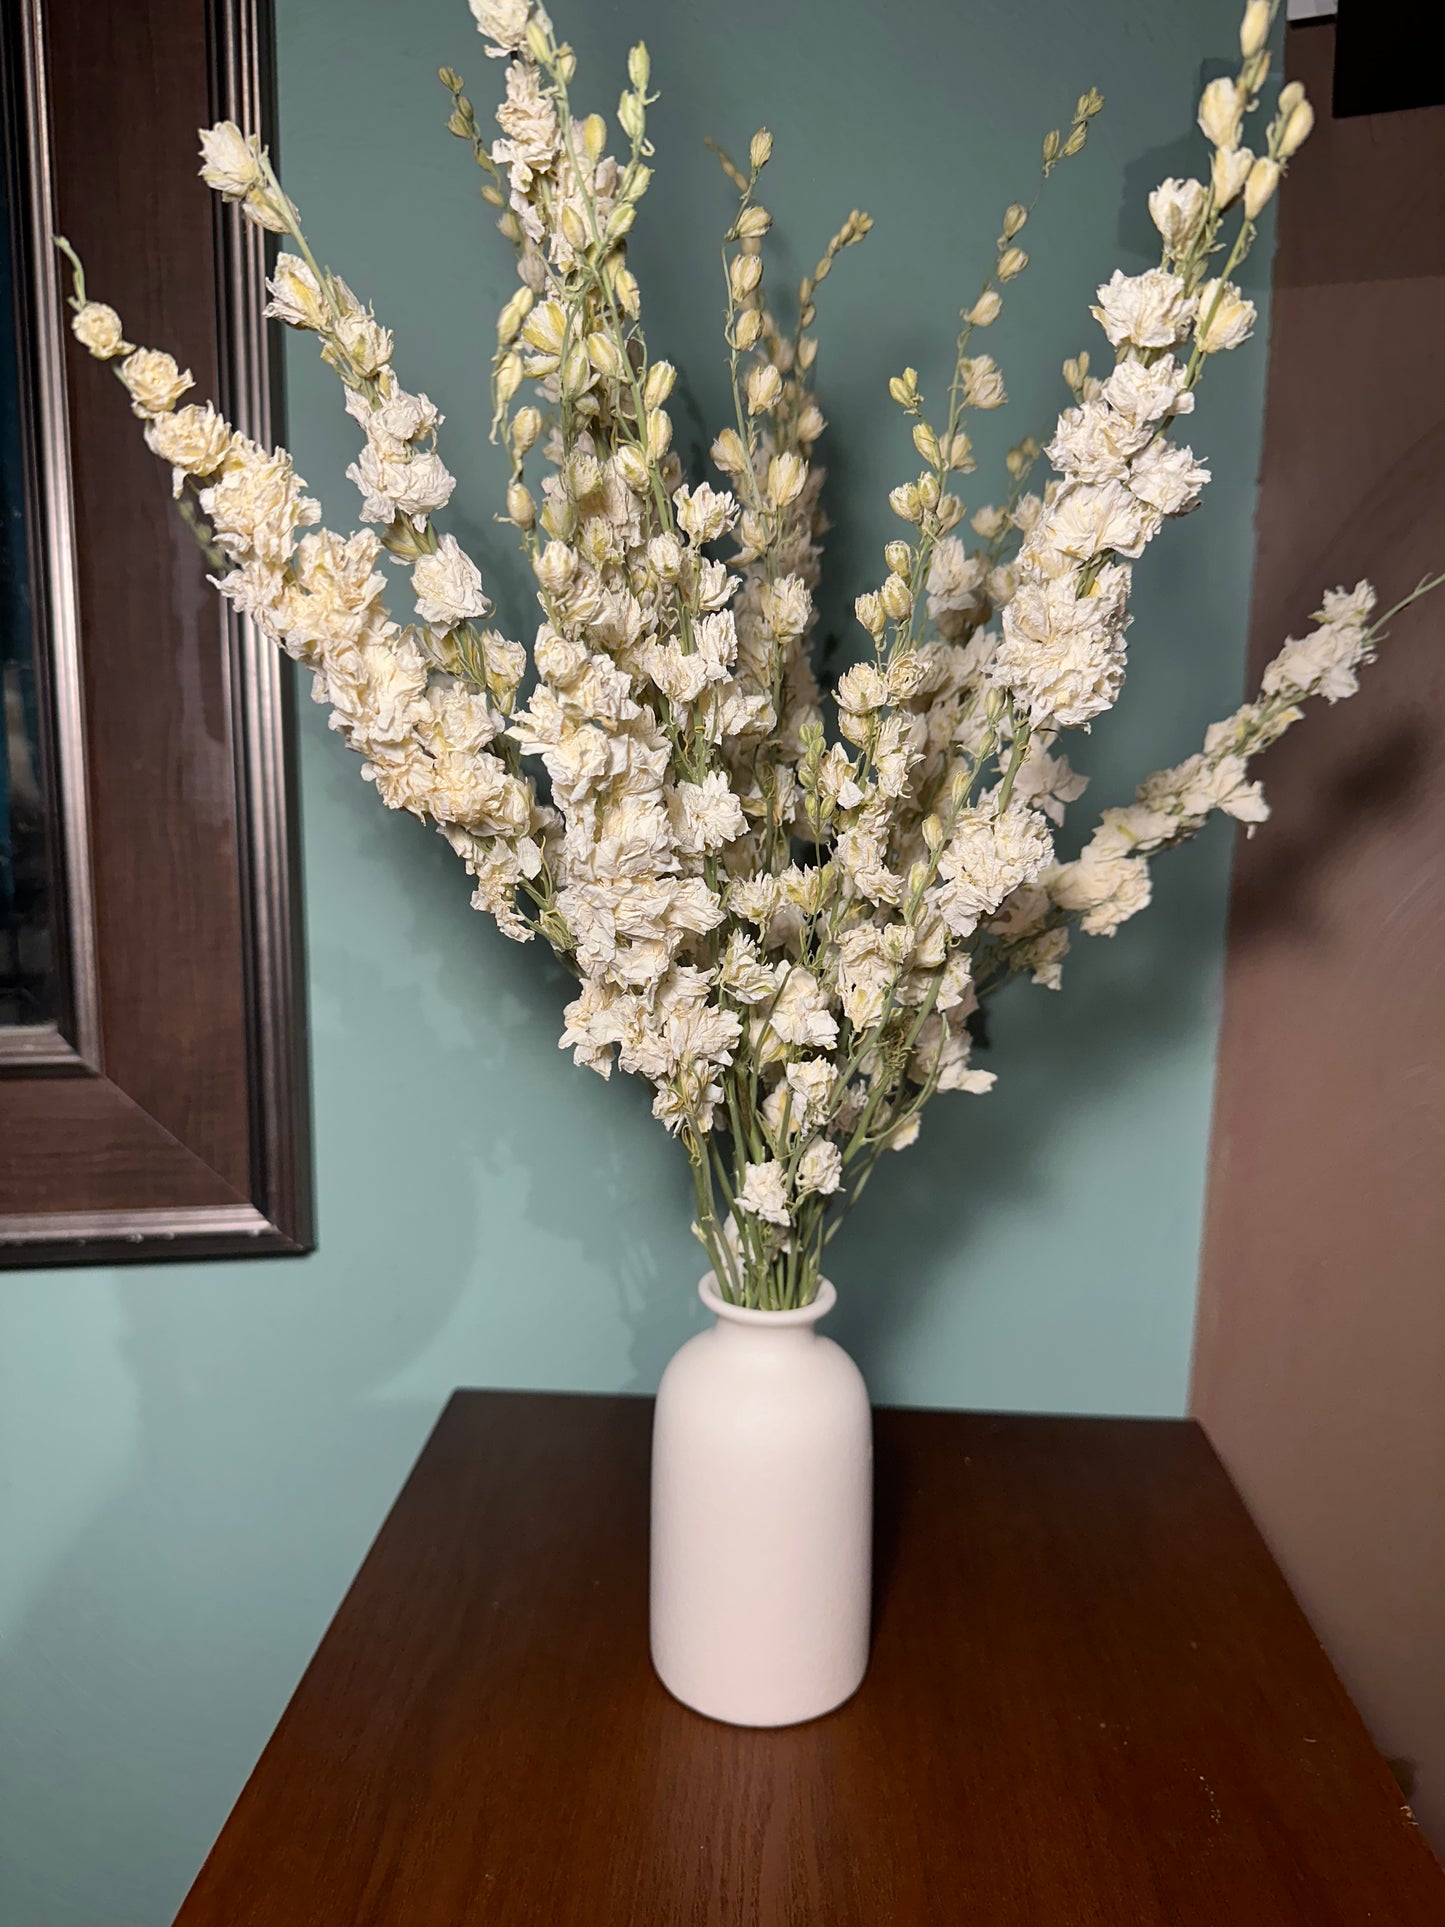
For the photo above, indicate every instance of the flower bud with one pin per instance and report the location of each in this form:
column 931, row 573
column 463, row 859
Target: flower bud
column 933, row 833
column 658, row 386
column 1177, row 208
column 985, row 310
column 594, row 136
column 605, row 356
column 896, row 599
column 960, row 454
column 899, row 557
column 639, row 67
column 520, row 507
column 1290, row 96
column 509, row 321
column 1014, row 217
column 904, row 388
column 576, row 370
column 749, row 327
column 1262, row 182
column 764, row 385
column 1228, row 172
column 995, row 702
column 869, row 611
column 624, row 286
column 526, row 427
column 1225, row 317
column 745, row 271
column 926, row 442
column 1296, row 129
column 508, row 377
column 1220, row 110
column 632, row 117
column 558, row 518
column 1011, row 263
column 620, row 221
column 928, row 491
column 659, row 433
column 664, row 552
column 753, row 223
column 632, row 467
column 760, row 150
column 786, row 475
column 906, row 503
column 1254, row 28
column 574, row 228
column 555, row 567
column 728, row 452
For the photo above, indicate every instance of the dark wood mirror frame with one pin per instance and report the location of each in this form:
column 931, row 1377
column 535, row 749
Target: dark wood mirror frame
column 165, row 1115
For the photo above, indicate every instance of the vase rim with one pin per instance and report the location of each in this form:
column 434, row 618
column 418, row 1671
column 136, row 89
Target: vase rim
column 824, row 1301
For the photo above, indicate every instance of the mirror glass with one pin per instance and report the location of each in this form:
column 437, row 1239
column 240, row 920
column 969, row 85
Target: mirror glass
column 29, row 986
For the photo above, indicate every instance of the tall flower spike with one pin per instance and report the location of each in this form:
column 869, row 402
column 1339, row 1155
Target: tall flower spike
column 785, row 928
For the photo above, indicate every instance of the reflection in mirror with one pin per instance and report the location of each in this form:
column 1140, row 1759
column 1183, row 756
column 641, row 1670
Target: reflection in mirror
column 29, row 991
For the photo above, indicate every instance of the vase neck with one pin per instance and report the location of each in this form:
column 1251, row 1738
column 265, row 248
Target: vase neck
column 743, row 1321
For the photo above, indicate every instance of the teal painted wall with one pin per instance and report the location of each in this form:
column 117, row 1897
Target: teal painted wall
column 195, row 1457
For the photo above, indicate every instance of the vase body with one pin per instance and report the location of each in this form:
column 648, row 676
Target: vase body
column 762, row 1517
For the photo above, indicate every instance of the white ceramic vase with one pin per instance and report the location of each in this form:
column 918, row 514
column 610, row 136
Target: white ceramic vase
column 762, row 1517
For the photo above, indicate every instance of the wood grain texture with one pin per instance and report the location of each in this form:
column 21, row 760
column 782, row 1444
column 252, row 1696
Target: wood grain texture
column 1092, row 1703
column 195, row 1099
column 1321, row 1339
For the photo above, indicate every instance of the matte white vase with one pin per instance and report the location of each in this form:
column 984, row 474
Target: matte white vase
column 762, row 1517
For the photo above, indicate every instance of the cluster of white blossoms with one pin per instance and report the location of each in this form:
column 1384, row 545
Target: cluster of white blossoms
column 781, row 905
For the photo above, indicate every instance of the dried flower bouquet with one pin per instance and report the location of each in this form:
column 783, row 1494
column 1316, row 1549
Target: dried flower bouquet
column 782, row 906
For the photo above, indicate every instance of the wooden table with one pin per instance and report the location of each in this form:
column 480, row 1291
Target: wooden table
column 1092, row 1703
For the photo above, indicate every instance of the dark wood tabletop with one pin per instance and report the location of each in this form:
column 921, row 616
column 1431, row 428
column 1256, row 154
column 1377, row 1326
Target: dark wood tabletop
column 1092, row 1702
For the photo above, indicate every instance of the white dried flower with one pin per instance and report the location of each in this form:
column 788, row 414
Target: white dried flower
column 1149, row 310
column 1177, row 209
column 764, row 1192
column 448, row 586
column 1168, row 478
column 821, row 1167
column 394, row 485
column 1148, row 392
column 231, row 161
column 1226, row 317
column 503, row 22
column 985, row 858
column 706, row 816
column 154, row 382
column 296, row 296
column 194, row 440
column 704, row 513
column 97, row 328
column 983, row 382
column 232, row 165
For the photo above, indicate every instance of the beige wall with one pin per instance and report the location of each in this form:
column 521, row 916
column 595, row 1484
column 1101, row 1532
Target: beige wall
column 1320, row 1354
